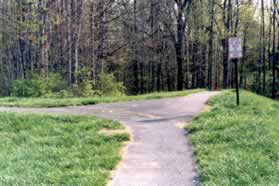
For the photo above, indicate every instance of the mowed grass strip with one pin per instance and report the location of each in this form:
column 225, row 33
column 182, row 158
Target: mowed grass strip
column 52, row 150
column 237, row 145
column 61, row 102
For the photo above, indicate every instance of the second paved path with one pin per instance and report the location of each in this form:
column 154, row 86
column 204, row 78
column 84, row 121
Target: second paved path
column 160, row 154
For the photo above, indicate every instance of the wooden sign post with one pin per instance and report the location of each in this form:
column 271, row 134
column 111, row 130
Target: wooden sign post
column 235, row 53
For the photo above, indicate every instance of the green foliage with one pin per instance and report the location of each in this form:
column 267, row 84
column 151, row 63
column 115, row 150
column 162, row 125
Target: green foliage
column 38, row 86
column 110, row 87
column 4, row 86
column 55, row 86
column 25, row 88
column 52, row 150
column 53, row 83
column 254, row 85
column 83, row 74
column 237, row 145
column 86, row 89
column 63, row 94
column 86, row 86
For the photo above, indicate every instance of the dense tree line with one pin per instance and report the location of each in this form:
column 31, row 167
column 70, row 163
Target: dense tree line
column 149, row 45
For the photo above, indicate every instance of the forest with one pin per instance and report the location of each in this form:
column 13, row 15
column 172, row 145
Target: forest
column 97, row 47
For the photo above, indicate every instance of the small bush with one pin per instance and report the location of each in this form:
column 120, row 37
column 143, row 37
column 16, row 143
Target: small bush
column 64, row 94
column 26, row 88
column 53, row 84
column 39, row 86
column 87, row 89
column 110, row 87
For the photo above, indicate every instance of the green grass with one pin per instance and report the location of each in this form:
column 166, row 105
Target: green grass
column 52, row 150
column 60, row 102
column 237, row 145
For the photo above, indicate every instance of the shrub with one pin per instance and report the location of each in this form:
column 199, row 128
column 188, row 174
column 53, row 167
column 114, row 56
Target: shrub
column 26, row 88
column 109, row 86
column 55, row 86
column 86, row 88
column 39, row 86
column 52, row 84
column 64, row 94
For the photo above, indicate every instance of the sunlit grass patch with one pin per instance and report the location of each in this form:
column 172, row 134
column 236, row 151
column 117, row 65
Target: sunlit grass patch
column 237, row 145
column 52, row 150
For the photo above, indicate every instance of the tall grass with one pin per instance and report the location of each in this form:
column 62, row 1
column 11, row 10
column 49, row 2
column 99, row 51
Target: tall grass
column 238, row 145
column 50, row 150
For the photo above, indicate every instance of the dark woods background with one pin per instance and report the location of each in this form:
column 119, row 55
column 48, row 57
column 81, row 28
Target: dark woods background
column 135, row 46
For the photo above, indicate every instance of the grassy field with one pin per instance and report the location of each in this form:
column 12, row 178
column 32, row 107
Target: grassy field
column 237, row 145
column 52, row 150
column 60, row 102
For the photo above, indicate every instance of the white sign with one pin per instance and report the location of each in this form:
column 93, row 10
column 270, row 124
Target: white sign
column 235, row 48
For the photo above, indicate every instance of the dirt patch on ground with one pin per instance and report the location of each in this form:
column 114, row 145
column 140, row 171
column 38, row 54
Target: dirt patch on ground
column 181, row 125
column 207, row 108
column 110, row 132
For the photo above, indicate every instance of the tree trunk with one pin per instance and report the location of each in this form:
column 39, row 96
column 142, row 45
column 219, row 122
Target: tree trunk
column 274, row 52
column 211, row 40
column 179, row 50
column 263, row 52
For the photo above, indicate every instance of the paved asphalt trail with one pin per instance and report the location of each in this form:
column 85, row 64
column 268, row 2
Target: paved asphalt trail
column 160, row 154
